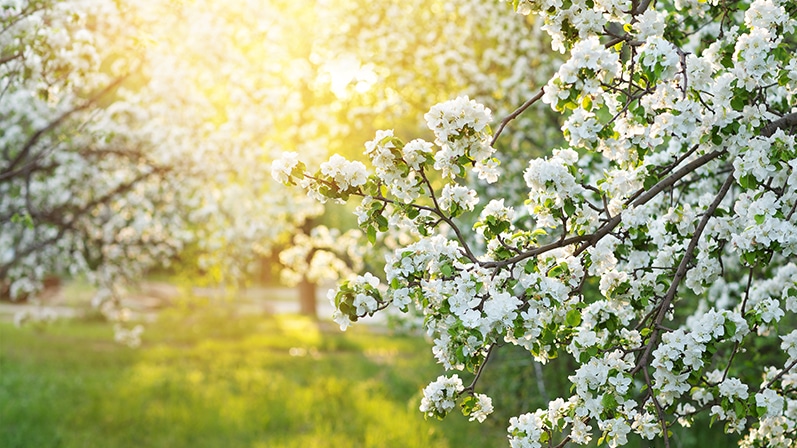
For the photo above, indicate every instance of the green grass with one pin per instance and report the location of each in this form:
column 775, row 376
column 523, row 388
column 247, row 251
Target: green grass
column 209, row 378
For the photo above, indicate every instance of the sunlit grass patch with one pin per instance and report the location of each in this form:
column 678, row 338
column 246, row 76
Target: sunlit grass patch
column 208, row 377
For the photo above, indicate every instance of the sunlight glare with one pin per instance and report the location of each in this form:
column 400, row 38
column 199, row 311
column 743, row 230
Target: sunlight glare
column 345, row 71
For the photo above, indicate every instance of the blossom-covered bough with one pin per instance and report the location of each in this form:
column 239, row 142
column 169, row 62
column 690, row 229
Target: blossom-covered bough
column 110, row 164
column 655, row 248
column 70, row 162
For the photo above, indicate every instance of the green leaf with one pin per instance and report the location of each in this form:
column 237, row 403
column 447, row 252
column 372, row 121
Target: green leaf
column 570, row 207
column 727, row 60
column 24, row 219
column 557, row 270
column 609, row 402
column 573, row 317
column 738, row 406
column 650, row 181
column 371, row 233
column 730, row 327
column 381, row 223
column 748, row 181
column 538, row 232
column 586, row 103
column 738, row 103
column 468, row 404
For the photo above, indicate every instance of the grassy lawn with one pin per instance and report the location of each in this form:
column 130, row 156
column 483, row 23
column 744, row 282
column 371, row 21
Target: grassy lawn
column 205, row 377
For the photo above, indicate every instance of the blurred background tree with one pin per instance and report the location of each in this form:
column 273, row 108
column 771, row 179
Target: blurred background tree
column 139, row 134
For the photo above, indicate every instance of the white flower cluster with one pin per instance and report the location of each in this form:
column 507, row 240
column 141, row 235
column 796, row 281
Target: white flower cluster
column 498, row 210
column 440, row 396
column 579, row 78
column 681, row 351
column 282, row 168
column 386, row 159
column 457, row 197
column 660, row 57
column 458, row 119
column 763, row 226
column 482, row 408
column 753, row 58
column 525, row 431
column 766, row 14
column 344, row 173
column 551, row 182
column 354, row 299
column 461, row 128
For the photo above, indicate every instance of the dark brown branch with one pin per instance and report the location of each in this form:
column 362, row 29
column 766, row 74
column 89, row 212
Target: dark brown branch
column 536, row 251
column 515, row 114
column 64, row 227
column 659, row 411
column 9, row 58
column 591, row 240
column 647, row 195
column 640, row 7
column 778, row 376
column 689, row 255
column 785, row 122
column 11, row 169
column 471, row 387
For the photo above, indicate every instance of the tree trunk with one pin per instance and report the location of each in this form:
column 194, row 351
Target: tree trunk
column 307, row 301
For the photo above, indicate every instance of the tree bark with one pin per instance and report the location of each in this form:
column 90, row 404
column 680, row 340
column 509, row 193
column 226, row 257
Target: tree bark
column 307, row 298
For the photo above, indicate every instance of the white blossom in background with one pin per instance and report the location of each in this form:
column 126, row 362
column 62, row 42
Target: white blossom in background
column 176, row 161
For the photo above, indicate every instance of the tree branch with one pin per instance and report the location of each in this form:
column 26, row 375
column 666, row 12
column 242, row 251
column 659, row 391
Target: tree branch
column 11, row 169
column 689, row 255
column 785, row 122
column 592, row 239
column 515, row 114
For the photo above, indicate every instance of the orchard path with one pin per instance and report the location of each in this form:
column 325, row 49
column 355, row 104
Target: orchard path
column 153, row 296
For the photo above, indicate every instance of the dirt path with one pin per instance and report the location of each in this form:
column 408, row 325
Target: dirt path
column 151, row 297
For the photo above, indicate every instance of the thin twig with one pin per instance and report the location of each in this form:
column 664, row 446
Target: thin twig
column 516, row 114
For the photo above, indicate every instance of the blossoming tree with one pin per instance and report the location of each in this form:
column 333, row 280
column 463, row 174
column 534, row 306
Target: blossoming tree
column 135, row 133
column 71, row 163
column 654, row 247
